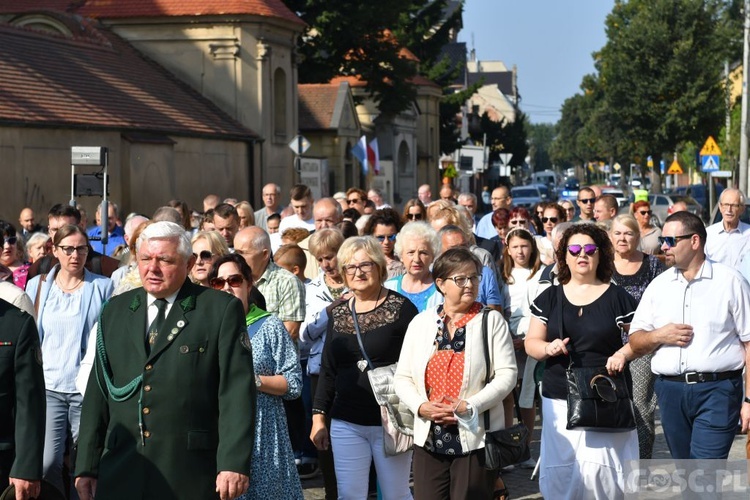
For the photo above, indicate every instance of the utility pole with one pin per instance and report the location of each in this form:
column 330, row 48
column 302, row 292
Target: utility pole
column 745, row 108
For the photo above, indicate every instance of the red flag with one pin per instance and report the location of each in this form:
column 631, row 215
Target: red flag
column 373, row 155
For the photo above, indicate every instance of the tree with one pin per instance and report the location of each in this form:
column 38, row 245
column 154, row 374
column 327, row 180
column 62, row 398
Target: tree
column 540, row 141
column 502, row 137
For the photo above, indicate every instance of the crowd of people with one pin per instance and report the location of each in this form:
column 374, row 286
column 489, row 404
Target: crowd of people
column 225, row 353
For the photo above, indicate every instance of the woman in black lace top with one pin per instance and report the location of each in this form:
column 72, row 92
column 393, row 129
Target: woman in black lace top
column 344, row 392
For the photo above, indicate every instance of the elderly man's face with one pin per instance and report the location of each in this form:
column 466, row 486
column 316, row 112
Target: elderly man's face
column 469, row 204
column 163, row 270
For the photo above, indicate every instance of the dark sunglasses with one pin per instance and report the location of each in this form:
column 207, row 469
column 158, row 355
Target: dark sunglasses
column 353, row 201
column 645, row 212
column 381, row 239
column 518, row 221
column 588, row 200
column 203, row 255
column 414, row 216
column 589, row 249
column 235, row 281
column 553, row 220
column 672, row 241
column 10, row 240
column 605, row 388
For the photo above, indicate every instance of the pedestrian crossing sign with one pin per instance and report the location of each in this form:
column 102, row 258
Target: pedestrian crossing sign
column 710, row 148
column 710, row 163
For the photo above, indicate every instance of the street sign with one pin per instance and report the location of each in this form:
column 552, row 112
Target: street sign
column 662, row 166
column 299, row 145
column 650, row 162
column 674, row 168
column 710, row 148
column 505, row 158
column 617, row 167
column 710, row 163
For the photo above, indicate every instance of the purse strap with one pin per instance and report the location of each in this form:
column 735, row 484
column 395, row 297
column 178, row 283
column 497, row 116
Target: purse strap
column 359, row 335
column 561, row 299
column 488, row 371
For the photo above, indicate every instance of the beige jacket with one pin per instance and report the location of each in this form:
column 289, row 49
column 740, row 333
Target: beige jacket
column 418, row 348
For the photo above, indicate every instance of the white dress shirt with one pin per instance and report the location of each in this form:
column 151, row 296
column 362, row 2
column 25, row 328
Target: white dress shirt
column 727, row 247
column 716, row 303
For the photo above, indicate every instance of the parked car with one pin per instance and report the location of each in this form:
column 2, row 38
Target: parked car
column 660, row 204
column 526, row 196
column 622, row 200
column 699, row 192
column 545, row 191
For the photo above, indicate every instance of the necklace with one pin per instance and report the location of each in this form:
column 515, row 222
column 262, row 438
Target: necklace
column 67, row 290
column 380, row 292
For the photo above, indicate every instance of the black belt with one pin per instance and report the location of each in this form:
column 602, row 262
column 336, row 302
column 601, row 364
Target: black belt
column 698, row 377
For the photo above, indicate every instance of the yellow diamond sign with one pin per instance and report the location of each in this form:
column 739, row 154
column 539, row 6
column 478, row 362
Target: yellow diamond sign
column 674, row 168
column 710, row 148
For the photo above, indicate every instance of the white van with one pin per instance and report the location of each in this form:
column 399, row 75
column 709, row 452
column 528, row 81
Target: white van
column 546, row 177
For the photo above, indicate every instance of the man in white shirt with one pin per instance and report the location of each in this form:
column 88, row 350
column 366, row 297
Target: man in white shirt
column 695, row 318
column 501, row 198
column 302, row 204
column 424, row 193
column 729, row 240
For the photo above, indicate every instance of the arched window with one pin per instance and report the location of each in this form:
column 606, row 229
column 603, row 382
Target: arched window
column 279, row 104
column 46, row 24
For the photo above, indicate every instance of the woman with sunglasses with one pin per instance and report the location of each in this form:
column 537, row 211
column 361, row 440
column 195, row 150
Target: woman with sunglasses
column 207, row 247
column 521, row 272
column 570, row 209
column 649, row 242
column 12, row 254
column 278, row 376
column 344, row 394
column 553, row 215
column 414, row 210
column 441, row 378
column 68, row 300
column 384, row 225
column 634, row 270
column 579, row 463
column 416, row 246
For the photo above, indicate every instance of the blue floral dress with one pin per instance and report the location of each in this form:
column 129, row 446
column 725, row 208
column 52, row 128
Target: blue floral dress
column 273, row 473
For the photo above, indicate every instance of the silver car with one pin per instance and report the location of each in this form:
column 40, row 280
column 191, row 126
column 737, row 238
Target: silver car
column 526, row 196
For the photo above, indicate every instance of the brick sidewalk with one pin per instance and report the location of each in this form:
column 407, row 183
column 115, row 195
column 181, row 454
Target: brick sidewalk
column 518, row 482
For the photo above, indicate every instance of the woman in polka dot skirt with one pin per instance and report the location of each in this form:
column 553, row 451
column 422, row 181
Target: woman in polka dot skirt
column 440, row 376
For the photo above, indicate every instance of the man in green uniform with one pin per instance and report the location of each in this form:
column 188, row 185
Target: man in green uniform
column 169, row 410
column 22, row 403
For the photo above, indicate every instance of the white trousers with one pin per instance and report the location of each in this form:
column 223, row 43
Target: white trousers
column 354, row 448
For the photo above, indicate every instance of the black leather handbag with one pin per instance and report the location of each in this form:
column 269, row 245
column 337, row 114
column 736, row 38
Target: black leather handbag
column 505, row 446
column 596, row 400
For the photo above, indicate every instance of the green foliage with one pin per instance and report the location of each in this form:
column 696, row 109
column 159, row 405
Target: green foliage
column 540, row 140
column 502, row 137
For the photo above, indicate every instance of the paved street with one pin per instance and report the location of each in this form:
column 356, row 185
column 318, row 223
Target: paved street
column 518, row 482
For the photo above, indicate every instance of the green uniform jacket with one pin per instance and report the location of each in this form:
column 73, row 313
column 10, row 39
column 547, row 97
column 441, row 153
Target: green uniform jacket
column 197, row 399
column 22, row 396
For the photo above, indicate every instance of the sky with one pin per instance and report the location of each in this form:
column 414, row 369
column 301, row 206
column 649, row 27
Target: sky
column 550, row 41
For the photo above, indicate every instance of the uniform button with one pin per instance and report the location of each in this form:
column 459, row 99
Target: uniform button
column 184, row 349
column 201, row 349
column 148, row 367
column 146, row 410
column 147, row 388
column 147, row 434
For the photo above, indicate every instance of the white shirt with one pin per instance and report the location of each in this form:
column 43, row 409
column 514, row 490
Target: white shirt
column 716, row 303
column 727, row 247
column 294, row 221
column 153, row 310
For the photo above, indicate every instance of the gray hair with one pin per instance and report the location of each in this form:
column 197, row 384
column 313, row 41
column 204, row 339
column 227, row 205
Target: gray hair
column 133, row 222
column 167, row 214
column 165, row 230
column 470, row 196
column 417, row 231
column 558, row 231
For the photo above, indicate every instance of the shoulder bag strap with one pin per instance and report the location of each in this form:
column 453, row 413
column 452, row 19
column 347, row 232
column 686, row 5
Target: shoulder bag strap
column 560, row 300
column 42, row 279
column 359, row 335
column 488, row 371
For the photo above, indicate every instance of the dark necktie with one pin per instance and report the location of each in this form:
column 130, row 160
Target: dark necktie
column 158, row 323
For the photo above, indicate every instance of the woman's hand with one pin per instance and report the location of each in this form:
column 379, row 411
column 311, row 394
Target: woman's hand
column 319, row 433
column 616, row 363
column 440, row 413
column 557, row 347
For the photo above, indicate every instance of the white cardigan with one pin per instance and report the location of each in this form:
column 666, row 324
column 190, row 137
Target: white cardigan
column 416, row 352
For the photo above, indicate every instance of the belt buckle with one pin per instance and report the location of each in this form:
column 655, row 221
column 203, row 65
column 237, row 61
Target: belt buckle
column 696, row 378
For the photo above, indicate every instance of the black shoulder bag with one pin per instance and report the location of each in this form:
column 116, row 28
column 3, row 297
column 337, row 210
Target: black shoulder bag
column 505, row 446
column 596, row 400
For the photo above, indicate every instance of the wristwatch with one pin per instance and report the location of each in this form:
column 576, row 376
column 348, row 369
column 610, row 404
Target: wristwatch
column 469, row 410
column 258, row 382
column 747, row 399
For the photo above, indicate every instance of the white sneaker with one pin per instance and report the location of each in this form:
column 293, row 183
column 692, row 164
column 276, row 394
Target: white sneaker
column 527, row 464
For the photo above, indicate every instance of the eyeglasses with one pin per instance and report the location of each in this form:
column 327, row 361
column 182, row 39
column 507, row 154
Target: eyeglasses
column 354, row 201
column 589, row 249
column 672, row 241
column 733, row 206
column 588, row 200
column 414, row 216
column 645, row 212
column 234, row 280
column 553, row 220
column 569, row 209
column 381, row 239
column 518, row 222
column 364, row 267
column 461, row 281
column 68, row 250
column 203, row 255
column 10, row 240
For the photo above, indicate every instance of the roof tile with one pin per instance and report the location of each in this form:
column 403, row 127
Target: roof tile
column 316, row 105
